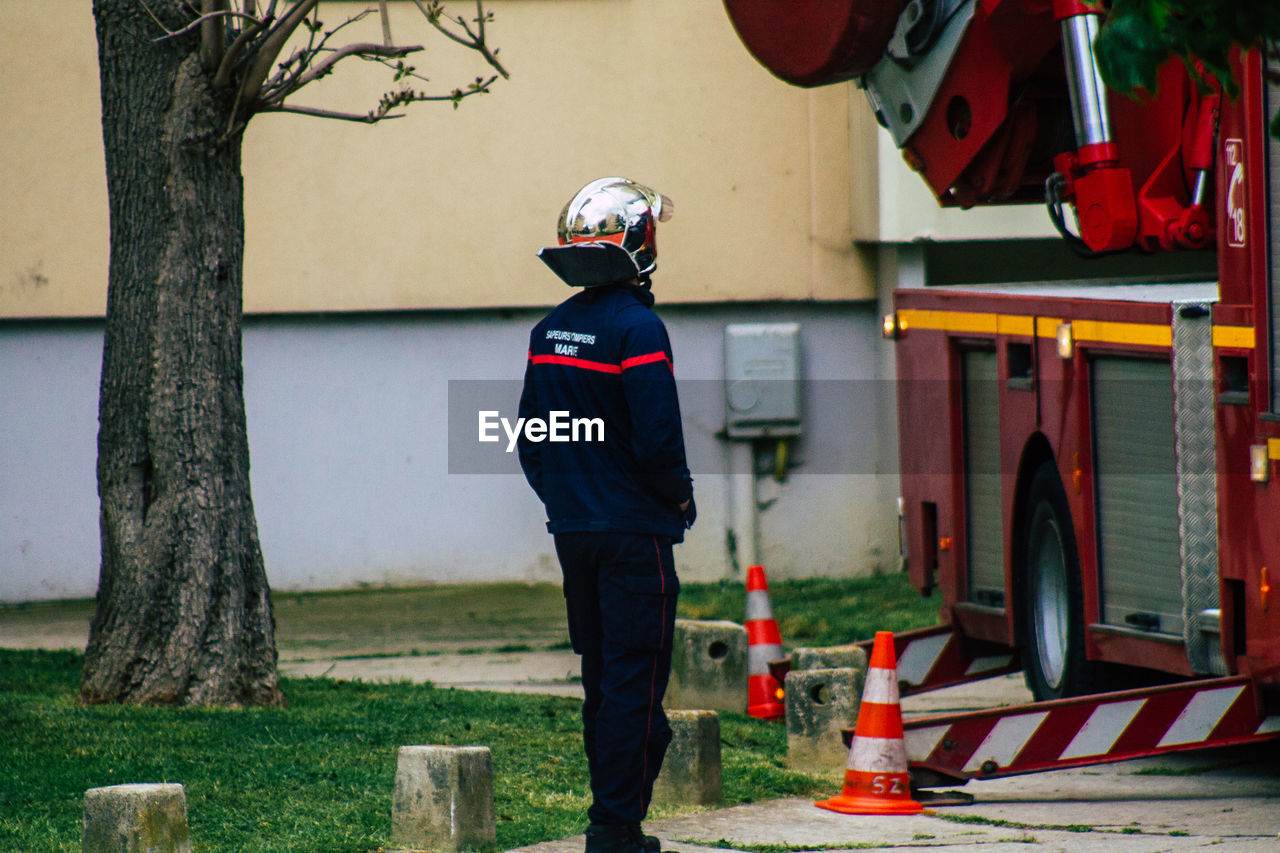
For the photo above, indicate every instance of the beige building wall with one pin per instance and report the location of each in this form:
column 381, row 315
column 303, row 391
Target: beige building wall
column 775, row 187
column 789, row 204
column 446, row 208
column 53, row 185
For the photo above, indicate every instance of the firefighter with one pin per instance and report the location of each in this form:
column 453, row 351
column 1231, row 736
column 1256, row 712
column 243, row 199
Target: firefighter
column 616, row 488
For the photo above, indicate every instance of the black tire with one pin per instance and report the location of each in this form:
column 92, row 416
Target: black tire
column 1053, row 653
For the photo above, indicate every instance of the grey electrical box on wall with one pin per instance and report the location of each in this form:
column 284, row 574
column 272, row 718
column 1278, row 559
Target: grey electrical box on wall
column 762, row 380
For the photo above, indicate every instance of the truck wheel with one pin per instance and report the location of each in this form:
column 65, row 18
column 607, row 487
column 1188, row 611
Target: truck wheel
column 1053, row 604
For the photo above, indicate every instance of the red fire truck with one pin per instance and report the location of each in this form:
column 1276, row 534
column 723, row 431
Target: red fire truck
column 1089, row 470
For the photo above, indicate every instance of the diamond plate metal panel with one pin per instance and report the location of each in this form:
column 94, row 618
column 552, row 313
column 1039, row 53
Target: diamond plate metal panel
column 1194, row 440
column 1272, row 99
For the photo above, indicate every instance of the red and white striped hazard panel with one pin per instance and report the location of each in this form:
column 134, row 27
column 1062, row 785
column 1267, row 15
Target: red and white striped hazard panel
column 1090, row 730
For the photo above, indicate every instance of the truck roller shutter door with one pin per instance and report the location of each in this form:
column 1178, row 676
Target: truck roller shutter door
column 1137, row 499
column 984, row 526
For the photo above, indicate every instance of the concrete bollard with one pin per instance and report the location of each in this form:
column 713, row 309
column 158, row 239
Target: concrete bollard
column 708, row 667
column 820, row 702
column 691, row 772
column 136, row 819
column 830, row 657
column 443, row 798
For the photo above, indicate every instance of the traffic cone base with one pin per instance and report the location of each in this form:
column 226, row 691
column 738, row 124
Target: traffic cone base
column 762, row 698
column 873, row 793
column 876, row 779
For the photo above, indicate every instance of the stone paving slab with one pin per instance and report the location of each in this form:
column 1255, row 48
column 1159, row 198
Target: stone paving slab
column 554, row 672
column 797, row 825
column 1226, row 800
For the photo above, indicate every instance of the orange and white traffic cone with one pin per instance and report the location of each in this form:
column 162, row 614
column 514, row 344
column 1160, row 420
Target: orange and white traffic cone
column 875, row 779
column 764, row 644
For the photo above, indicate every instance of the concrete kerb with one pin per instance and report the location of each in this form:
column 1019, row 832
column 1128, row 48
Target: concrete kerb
column 443, row 798
column 830, row 657
column 823, row 693
column 708, row 667
column 821, row 702
column 443, row 801
column 692, row 771
column 139, row 818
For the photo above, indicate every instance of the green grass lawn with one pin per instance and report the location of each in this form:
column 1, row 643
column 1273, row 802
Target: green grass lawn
column 821, row 611
column 319, row 775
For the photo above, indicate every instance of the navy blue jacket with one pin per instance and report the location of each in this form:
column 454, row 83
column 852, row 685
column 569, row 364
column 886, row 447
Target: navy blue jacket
column 602, row 360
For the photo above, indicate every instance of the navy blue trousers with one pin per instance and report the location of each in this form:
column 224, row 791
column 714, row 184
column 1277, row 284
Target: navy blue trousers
column 620, row 593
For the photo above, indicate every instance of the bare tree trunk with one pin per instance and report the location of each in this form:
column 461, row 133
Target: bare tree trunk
column 183, row 609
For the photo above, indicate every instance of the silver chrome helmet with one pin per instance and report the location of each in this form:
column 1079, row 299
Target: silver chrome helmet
column 618, row 211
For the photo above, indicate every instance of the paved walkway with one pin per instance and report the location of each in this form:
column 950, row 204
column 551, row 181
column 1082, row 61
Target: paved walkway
column 556, row 672
column 1226, row 800
column 1226, row 810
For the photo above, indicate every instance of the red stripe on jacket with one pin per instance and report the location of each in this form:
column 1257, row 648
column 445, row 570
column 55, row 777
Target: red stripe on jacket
column 636, row 361
column 600, row 366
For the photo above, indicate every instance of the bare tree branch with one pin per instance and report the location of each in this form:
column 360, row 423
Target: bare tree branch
column 271, row 47
column 212, row 34
column 391, row 100
column 365, row 118
column 198, row 23
column 365, row 50
column 159, row 23
column 252, row 63
column 480, row 19
column 474, row 41
column 222, row 78
column 297, row 64
column 386, row 23
column 433, row 17
column 401, row 69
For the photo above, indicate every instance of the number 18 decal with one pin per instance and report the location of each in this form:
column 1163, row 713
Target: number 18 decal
column 1233, row 159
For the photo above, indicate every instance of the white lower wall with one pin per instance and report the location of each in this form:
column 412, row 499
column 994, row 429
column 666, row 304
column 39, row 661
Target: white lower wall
column 350, row 445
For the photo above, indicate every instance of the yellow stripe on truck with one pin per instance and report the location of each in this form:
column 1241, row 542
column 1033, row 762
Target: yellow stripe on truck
column 1234, row 337
column 1094, row 331
column 1047, row 327
column 947, row 321
column 1106, row 331
column 1015, row 324
column 1020, row 324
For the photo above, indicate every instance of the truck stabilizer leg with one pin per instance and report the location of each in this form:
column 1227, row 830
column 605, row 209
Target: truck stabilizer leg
column 938, row 656
column 953, row 748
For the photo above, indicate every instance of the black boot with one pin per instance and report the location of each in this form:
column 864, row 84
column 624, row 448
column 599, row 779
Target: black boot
column 620, row 838
column 648, row 842
column 613, row 838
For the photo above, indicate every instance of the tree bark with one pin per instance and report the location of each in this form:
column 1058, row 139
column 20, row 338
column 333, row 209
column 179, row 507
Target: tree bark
column 183, row 608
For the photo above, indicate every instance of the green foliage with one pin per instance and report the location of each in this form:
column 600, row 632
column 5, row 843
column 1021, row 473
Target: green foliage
column 1138, row 36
